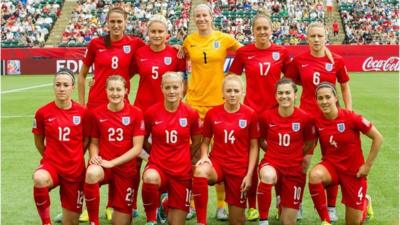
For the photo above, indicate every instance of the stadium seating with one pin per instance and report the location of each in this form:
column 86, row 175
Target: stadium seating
column 89, row 17
column 28, row 24
column 370, row 22
column 289, row 18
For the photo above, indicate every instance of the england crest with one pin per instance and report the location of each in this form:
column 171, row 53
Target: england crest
column 341, row 127
column 217, row 44
column 276, row 56
column 295, row 127
column 76, row 120
column 242, row 123
column 127, row 49
column 183, row 122
column 167, row 61
column 126, row 120
column 329, row 67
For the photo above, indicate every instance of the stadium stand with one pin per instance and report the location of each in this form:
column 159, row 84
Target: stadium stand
column 289, row 18
column 370, row 22
column 88, row 19
column 28, row 23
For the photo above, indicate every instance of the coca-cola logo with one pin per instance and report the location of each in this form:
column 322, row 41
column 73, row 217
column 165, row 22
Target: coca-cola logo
column 390, row 64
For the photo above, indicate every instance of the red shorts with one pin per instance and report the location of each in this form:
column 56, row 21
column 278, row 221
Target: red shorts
column 290, row 185
column 71, row 193
column 121, row 196
column 232, row 183
column 179, row 189
column 353, row 189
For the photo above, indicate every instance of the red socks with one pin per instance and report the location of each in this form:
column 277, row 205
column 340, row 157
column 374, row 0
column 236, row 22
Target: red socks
column 92, row 198
column 317, row 193
column 42, row 202
column 264, row 199
column 151, row 200
column 252, row 193
column 200, row 196
column 331, row 195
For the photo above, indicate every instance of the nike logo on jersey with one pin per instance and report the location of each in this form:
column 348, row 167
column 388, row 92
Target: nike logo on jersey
column 251, row 57
column 192, row 46
column 51, row 119
column 101, row 50
column 103, row 120
column 295, row 203
column 304, row 65
column 321, row 129
column 358, row 203
column 142, row 60
column 158, row 122
column 217, row 122
column 272, row 125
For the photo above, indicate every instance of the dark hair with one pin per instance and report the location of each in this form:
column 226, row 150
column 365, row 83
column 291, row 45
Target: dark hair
column 326, row 84
column 120, row 10
column 285, row 80
column 66, row 71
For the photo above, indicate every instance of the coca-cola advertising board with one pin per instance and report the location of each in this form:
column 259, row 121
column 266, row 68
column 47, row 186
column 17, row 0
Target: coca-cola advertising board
column 34, row 61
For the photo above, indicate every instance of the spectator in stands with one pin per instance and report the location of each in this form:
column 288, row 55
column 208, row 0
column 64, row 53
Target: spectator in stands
column 335, row 27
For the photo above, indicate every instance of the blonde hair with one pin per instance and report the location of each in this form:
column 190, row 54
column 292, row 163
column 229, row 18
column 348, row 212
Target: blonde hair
column 233, row 78
column 262, row 14
column 115, row 78
column 172, row 75
column 319, row 24
column 158, row 18
column 204, row 6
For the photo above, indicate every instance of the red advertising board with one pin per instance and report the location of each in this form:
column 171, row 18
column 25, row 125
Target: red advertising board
column 33, row 61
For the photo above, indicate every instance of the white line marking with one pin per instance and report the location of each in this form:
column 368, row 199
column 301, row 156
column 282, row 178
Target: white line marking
column 26, row 88
column 12, row 117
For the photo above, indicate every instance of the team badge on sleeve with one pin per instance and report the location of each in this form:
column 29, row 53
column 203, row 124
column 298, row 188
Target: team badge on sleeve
column 127, row 49
column 76, row 120
column 126, row 120
column 34, row 125
column 183, row 122
column 295, row 127
column 341, row 127
column 366, row 122
column 329, row 67
column 242, row 123
column 276, row 56
column 142, row 125
column 217, row 44
column 167, row 61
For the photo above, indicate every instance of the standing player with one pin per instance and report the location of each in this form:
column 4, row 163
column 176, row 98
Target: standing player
column 234, row 128
column 207, row 50
column 116, row 139
column 153, row 61
column 342, row 157
column 310, row 69
column 172, row 126
column 287, row 134
column 110, row 54
column 59, row 138
column 264, row 63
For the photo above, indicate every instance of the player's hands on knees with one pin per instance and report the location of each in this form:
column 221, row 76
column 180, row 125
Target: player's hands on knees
column 203, row 160
column 363, row 171
column 95, row 160
column 107, row 163
column 246, row 183
column 181, row 52
column 306, row 162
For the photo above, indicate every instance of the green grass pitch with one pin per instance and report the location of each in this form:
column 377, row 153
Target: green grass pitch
column 375, row 95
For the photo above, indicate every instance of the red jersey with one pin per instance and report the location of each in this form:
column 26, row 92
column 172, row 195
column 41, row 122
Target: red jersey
column 310, row 71
column 263, row 69
column 115, row 131
column 232, row 133
column 151, row 66
column 286, row 136
column 340, row 140
column 64, row 134
column 171, row 134
column 117, row 60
